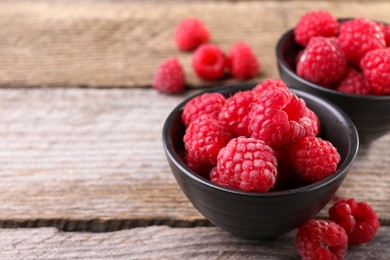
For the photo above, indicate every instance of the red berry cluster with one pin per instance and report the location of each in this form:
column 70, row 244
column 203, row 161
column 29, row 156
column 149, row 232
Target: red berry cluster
column 349, row 56
column 350, row 222
column 256, row 140
column 209, row 62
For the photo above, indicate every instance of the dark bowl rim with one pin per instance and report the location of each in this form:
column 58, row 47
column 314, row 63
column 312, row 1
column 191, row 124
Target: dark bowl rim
column 283, row 63
column 340, row 172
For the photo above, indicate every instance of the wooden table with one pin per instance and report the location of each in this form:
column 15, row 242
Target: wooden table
column 83, row 172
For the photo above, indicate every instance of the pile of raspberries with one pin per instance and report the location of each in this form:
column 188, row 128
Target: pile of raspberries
column 266, row 139
column 209, row 62
column 256, row 140
column 351, row 56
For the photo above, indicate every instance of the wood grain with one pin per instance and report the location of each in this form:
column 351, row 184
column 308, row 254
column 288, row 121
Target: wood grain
column 92, row 159
column 120, row 43
column 163, row 243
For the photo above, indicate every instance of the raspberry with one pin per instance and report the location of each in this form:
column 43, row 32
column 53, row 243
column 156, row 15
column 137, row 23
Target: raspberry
column 209, row 62
column 234, row 114
column 247, row 164
column 321, row 239
column 310, row 123
column 376, row 69
column 354, row 83
column 270, row 121
column 314, row 158
column 242, row 61
column 359, row 36
column 203, row 139
column 208, row 103
column 357, row 218
column 322, row 62
column 169, row 77
column 269, row 84
column 313, row 24
column 190, row 33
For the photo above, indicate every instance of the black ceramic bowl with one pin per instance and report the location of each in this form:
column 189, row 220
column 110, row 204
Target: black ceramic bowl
column 262, row 215
column 370, row 114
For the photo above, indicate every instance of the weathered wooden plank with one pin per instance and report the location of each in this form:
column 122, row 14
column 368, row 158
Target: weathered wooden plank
column 92, row 159
column 120, row 43
column 163, row 243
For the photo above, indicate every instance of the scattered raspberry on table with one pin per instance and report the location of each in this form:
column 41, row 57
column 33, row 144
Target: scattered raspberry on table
column 242, row 61
column 169, row 77
column 357, row 218
column 191, row 33
column 321, row 239
column 209, row 62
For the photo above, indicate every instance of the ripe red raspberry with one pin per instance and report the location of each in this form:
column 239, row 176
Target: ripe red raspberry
column 169, row 77
column 190, row 33
column 247, row 164
column 313, row 24
column 354, row 83
column 321, row 239
column 314, row 158
column 357, row 218
column 359, row 36
column 242, row 61
column 376, row 69
column 209, row 62
column 269, row 85
column 203, row 139
column 270, row 121
column 234, row 113
column 322, row 62
column 310, row 123
column 208, row 103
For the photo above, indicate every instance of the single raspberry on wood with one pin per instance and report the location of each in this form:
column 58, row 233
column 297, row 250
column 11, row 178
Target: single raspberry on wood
column 169, row 77
column 246, row 164
column 359, row 36
column 357, row 218
column 209, row 62
column 354, row 83
column 314, row 158
column 322, row 62
column 190, row 33
column 376, row 68
column 242, row 61
column 313, row 24
column 234, row 113
column 321, row 239
column 203, row 139
column 207, row 103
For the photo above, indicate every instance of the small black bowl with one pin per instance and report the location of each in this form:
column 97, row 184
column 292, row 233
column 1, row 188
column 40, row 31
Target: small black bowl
column 262, row 215
column 370, row 113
